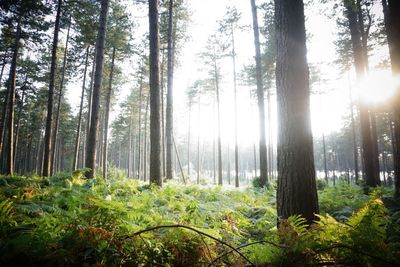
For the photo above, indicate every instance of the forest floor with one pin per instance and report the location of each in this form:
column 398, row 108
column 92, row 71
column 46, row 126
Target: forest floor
column 67, row 220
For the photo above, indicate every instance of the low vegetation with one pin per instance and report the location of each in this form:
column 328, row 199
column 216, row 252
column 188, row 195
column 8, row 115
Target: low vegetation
column 66, row 220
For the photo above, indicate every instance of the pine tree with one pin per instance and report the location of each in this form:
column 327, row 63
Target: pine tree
column 297, row 192
column 94, row 119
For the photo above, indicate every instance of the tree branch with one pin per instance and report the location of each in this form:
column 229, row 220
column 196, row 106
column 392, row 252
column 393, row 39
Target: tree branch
column 194, row 230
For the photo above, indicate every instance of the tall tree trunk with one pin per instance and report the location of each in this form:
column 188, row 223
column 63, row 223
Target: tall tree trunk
column 94, row 120
column 169, row 111
column 255, row 159
column 155, row 126
column 188, row 141
column 17, row 125
column 391, row 10
column 364, row 31
column 107, row 114
column 145, row 140
column 270, row 157
column 162, row 115
column 219, row 146
column 3, row 110
column 354, row 137
column 3, row 65
column 47, row 163
column 60, row 93
column 260, row 99
column 12, row 82
column 236, row 108
column 90, row 100
column 214, row 159
column 369, row 164
column 325, row 161
column 229, row 164
column 3, row 124
column 129, row 146
column 297, row 193
column 78, row 129
column 140, row 124
column 198, row 141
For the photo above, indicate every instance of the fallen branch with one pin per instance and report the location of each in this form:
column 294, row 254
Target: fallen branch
column 194, row 230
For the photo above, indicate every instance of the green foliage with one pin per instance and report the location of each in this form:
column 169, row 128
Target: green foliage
column 341, row 201
column 69, row 220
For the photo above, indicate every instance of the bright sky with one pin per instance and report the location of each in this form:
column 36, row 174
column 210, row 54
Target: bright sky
column 327, row 109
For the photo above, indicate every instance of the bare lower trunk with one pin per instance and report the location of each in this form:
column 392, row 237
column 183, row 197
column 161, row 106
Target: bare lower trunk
column 297, row 193
column 107, row 115
column 78, row 130
column 169, row 111
column 59, row 102
column 260, row 99
column 391, row 9
column 145, row 141
column 155, row 125
column 94, row 120
column 369, row 161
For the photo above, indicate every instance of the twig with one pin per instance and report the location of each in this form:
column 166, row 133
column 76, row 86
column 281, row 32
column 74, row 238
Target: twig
column 246, row 245
column 194, row 230
column 208, row 249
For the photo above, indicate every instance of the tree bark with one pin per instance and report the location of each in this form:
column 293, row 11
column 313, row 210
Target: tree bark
column 391, row 10
column 297, row 193
column 260, row 99
column 155, row 125
column 107, row 115
column 78, row 129
column 90, row 98
column 94, row 120
column 47, row 164
column 169, row 110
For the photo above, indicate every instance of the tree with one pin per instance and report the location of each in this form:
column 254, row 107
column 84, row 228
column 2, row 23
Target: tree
column 391, row 9
column 228, row 27
column 19, row 25
column 118, row 41
column 49, row 121
column 170, row 77
column 297, row 192
column 59, row 100
column 155, row 125
column 368, row 151
column 260, row 99
column 78, row 130
column 94, row 124
column 215, row 51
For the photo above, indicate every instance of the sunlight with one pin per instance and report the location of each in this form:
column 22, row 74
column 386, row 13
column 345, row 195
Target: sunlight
column 378, row 87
